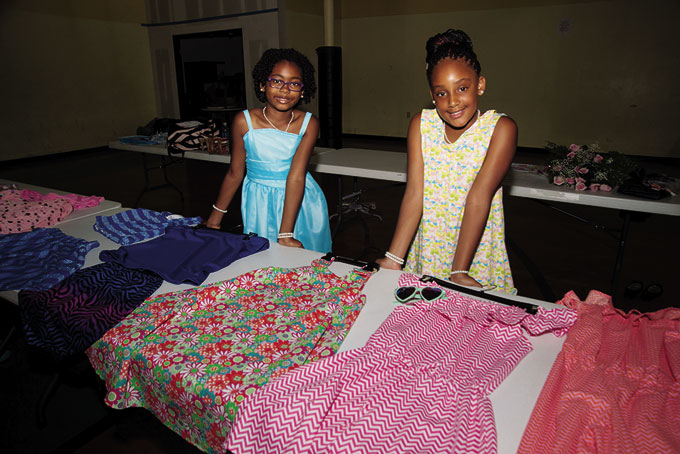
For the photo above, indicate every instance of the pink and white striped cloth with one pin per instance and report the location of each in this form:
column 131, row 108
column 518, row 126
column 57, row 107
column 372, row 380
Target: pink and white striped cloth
column 614, row 387
column 420, row 385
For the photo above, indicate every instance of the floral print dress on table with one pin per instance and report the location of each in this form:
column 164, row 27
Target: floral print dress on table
column 192, row 357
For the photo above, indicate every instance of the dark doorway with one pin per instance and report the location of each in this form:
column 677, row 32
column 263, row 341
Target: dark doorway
column 210, row 74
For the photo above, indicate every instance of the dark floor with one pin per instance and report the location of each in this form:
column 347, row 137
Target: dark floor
column 550, row 254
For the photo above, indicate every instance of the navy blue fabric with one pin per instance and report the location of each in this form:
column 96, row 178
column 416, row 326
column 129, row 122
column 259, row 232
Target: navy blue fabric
column 133, row 226
column 185, row 254
column 40, row 259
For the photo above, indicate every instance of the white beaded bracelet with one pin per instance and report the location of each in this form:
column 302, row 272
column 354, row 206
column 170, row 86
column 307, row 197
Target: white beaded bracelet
column 285, row 235
column 219, row 209
column 460, row 272
column 394, row 258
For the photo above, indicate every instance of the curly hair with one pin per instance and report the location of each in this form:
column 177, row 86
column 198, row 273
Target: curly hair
column 453, row 44
column 270, row 58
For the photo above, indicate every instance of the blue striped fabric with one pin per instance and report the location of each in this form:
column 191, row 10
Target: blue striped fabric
column 40, row 259
column 140, row 224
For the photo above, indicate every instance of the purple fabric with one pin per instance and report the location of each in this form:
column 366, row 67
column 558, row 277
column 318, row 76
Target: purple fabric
column 186, row 254
column 73, row 314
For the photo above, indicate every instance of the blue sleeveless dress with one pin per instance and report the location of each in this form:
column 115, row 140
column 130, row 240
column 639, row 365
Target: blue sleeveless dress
column 269, row 153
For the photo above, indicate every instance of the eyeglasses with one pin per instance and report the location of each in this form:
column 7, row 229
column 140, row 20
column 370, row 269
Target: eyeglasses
column 278, row 83
column 410, row 293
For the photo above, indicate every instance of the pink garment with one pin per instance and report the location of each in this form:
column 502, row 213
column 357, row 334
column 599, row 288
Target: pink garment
column 614, row 386
column 78, row 201
column 18, row 215
column 420, row 384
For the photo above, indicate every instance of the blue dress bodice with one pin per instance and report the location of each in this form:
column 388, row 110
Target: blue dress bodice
column 269, row 153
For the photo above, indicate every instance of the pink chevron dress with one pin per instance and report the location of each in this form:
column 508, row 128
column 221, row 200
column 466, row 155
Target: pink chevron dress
column 420, row 385
column 614, row 386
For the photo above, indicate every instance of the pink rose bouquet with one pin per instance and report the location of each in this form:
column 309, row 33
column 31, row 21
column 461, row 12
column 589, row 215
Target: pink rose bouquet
column 586, row 167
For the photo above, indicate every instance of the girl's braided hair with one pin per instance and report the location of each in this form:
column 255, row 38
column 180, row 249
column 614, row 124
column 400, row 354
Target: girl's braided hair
column 453, row 44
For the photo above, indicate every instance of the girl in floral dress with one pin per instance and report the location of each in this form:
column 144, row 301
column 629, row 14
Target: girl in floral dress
column 457, row 158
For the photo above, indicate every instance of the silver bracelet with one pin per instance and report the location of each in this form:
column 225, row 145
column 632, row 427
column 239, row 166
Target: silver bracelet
column 460, row 272
column 394, row 258
column 285, row 235
column 219, row 209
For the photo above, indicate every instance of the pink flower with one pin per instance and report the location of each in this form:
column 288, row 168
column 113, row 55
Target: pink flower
column 581, row 186
column 570, row 180
column 583, row 170
column 558, row 180
column 571, row 155
column 597, row 159
column 594, row 186
column 573, row 147
column 605, row 187
column 580, row 180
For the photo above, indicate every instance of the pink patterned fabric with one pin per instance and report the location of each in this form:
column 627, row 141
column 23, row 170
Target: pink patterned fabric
column 614, row 386
column 19, row 215
column 420, row 384
column 78, row 201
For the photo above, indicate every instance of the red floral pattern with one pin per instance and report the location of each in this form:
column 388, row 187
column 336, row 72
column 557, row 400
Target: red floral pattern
column 192, row 357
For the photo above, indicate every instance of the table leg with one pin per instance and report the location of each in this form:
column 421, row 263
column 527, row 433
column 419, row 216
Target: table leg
column 619, row 253
column 165, row 162
column 338, row 212
column 539, row 278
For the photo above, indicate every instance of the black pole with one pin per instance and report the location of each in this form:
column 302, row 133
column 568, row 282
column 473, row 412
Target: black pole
column 330, row 96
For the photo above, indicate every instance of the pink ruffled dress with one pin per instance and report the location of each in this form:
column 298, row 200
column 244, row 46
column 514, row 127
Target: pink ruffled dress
column 614, row 386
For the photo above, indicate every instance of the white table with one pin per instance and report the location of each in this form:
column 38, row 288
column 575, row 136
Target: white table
column 105, row 205
column 392, row 166
column 513, row 400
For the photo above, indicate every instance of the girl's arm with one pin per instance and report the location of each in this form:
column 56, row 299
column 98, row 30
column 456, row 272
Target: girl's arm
column 234, row 175
column 412, row 204
column 295, row 183
column 478, row 203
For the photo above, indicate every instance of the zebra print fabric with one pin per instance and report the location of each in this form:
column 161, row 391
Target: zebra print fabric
column 70, row 316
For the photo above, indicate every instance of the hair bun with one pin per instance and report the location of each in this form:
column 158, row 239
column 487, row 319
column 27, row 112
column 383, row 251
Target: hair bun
column 455, row 44
column 451, row 37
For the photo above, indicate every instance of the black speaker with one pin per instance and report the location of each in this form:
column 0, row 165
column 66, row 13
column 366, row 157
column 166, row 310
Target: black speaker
column 330, row 96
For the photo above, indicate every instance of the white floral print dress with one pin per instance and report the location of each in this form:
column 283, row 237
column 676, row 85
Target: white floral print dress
column 450, row 170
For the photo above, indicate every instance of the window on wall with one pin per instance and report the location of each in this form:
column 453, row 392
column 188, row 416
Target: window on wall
column 210, row 74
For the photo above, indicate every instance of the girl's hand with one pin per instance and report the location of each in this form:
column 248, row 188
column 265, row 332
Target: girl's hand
column 464, row 279
column 214, row 221
column 388, row 264
column 290, row 242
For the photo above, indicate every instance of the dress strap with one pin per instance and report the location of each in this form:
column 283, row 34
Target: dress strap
column 248, row 121
column 308, row 116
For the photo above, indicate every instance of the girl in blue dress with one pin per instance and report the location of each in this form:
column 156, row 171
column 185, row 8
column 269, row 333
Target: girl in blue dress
column 271, row 146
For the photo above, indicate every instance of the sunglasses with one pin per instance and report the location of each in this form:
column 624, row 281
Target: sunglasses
column 410, row 293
